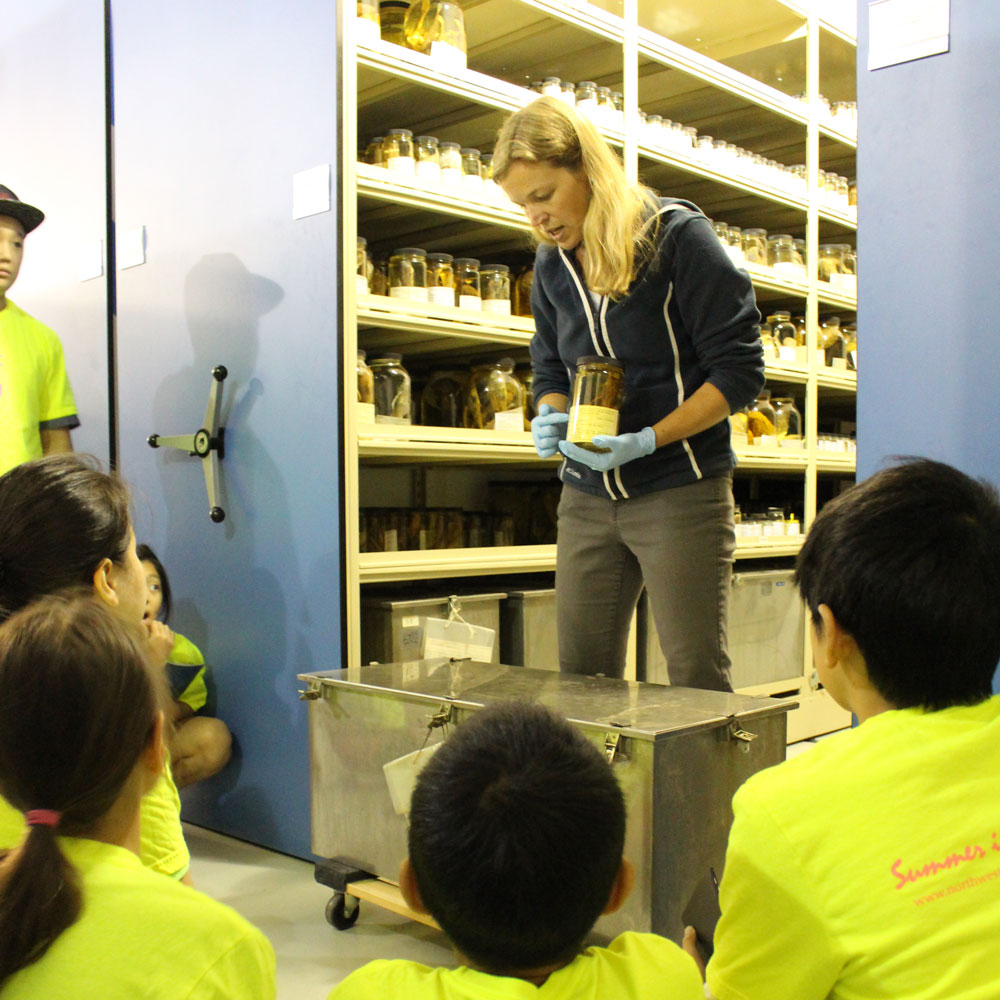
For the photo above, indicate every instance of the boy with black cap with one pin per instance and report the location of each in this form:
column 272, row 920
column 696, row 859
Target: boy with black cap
column 37, row 409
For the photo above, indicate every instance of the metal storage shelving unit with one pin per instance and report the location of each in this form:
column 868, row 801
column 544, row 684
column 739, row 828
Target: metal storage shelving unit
column 727, row 68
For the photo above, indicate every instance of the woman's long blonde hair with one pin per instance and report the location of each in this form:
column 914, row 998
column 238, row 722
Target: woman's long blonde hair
column 617, row 233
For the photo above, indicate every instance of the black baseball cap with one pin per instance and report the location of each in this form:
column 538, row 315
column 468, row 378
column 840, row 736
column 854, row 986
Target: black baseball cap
column 29, row 216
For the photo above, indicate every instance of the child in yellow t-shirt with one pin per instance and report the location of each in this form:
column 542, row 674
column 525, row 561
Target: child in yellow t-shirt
column 517, row 826
column 81, row 743
column 199, row 744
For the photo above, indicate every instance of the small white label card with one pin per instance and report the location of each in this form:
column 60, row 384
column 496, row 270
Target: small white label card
column 311, row 191
column 90, row 260
column 902, row 30
column 132, row 248
column 442, row 637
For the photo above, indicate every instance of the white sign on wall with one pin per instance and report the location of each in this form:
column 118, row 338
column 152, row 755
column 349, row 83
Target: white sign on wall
column 902, row 30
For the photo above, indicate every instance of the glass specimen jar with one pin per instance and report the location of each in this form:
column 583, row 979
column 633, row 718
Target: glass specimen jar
column 687, row 137
column 755, row 246
column 522, row 292
column 495, row 399
column 380, row 277
column 442, row 402
column 367, row 26
column 477, row 530
column 472, row 177
column 440, row 280
column 526, row 376
column 586, row 97
column 450, row 159
column 735, row 247
column 392, row 16
column 366, row 391
column 494, row 286
column 782, row 329
column 552, row 87
column 361, row 277
column 373, row 151
column 467, row 288
column 605, row 106
column 738, row 424
column 781, row 254
column 397, row 151
column 761, row 420
column 787, row 422
column 852, row 193
column 767, row 342
column 598, row 392
column 408, row 274
column 850, row 331
column 437, row 28
column 568, row 95
column 703, row 148
column 831, row 262
column 832, row 343
column 391, row 389
column 428, row 158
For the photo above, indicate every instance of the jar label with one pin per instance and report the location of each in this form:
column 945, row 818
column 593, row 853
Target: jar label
column 390, row 543
column 787, row 267
column 451, row 177
column 410, row 292
column 401, row 165
column 367, row 30
column 360, row 284
column 499, row 306
column 509, row 420
column 441, row 296
column 448, row 57
column 585, row 422
column 428, row 170
column 470, row 302
column 366, row 413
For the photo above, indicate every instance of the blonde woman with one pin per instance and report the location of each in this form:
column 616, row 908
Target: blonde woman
column 624, row 274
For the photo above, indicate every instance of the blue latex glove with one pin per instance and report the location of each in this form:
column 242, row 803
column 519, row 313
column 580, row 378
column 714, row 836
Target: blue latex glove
column 548, row 429
column 624, row 447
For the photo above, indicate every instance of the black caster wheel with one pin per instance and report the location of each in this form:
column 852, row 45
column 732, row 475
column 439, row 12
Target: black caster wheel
column 342, row 911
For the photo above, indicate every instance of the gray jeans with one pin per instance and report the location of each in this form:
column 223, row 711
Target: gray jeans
column 680, row 543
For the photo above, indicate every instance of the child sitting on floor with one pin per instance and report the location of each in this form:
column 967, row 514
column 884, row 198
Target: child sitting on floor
column 200, row 744
column 517, row 826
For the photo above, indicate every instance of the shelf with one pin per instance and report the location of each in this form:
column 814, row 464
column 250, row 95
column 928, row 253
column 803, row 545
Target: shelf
column 836, row 299
column 830, row 461
column 395, row 444
column 839, row 379
column 390, row 567
column 770, row 460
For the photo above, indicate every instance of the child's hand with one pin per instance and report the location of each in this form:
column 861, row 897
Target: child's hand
column 161, row 641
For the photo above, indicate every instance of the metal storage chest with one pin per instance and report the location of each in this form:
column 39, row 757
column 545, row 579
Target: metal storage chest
column 679, row 755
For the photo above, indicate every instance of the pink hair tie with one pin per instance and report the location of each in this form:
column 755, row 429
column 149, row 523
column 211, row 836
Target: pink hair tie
column 43, row 817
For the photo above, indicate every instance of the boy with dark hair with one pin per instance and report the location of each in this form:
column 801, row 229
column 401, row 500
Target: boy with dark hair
column 870, row 866
column 517, row 826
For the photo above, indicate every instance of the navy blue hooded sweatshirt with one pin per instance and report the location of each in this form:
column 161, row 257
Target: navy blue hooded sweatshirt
column 688, row 318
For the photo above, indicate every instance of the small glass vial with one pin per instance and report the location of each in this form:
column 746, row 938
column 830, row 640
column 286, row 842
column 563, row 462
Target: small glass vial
column 391, row 383
column 367, row 28
column 755, row 246
column 495, row 400
column 472, row 179
column 468, row 294
column 450, row 159
column 568, row 94
column 442, row 403
column 408, row 274
column 437, row 28
column 494, row 286
column 392, row 16
column 522, row 292
column 361, row 277
column 440, row 279
column 428, row 158
column 397, row 152
column 366, row 391
column 552, row 87
column 598, row 392
column 781, row 254
column 586, row 97
column 373, row 151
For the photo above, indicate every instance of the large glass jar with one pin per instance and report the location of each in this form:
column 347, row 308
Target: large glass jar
column 495, row 399
column 437, row 27
column 761, row 419
column 408, row 274
column 568, row 95
column 442, row 402
column 467, row 289
column 366, row 391
column 552, row 87
column 391, row 389
column 392, row 16
column 472, row 178
column 598, row 392
column 755, row 246
column 522, row 292
column 440, row 280
column 782, row 329
column 586, row 97
column 787, row 422
column 367, row 25
column 781, row 255
column 450, row 158
column 831, row 261
column 373, row 151
column 832, row 343
column 847, row 280
column 361, row 276
column 494, row 285
column 428, row 158
column 397, row 152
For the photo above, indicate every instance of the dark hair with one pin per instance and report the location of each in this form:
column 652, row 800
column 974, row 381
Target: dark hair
column 59, row 517
column 77, row 706
column 517, row 826
column 908, row 561
column 146, row 554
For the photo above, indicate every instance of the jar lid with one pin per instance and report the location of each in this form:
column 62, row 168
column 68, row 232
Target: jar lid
column 592, row 359
column 427, row 138
column 586, row 83
column 468, row 151
column 443, row 258
column 450, row 145
column 568, row 85
column 486, row 157
column 502, row 268
column 362, row 242
column 377, row 138
column 397, row 4
column 387, row 357
column 781, row 316
column 831, row 246
column 551, row 79
column 410, row 252
column 466, row 262
column 362, row 354
column 400, row 131
column 755, row 232
column 604, row 90
column 780, row 236
column 653, row 118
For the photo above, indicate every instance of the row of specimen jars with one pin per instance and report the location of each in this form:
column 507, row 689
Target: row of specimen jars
column 836, row 263
column 439, row 278
column 768, row 423
column 783, row 337
column 394, row 529
column 433, row 27
column 489, row 395
column 774, row 522
column 448, row 166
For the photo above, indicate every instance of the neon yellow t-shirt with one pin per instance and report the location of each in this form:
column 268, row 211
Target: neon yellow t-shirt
column 869, row 866
column 633, row 967
column 141, row 935
column 186, row 673
column 34, row 389
column 164, row 849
